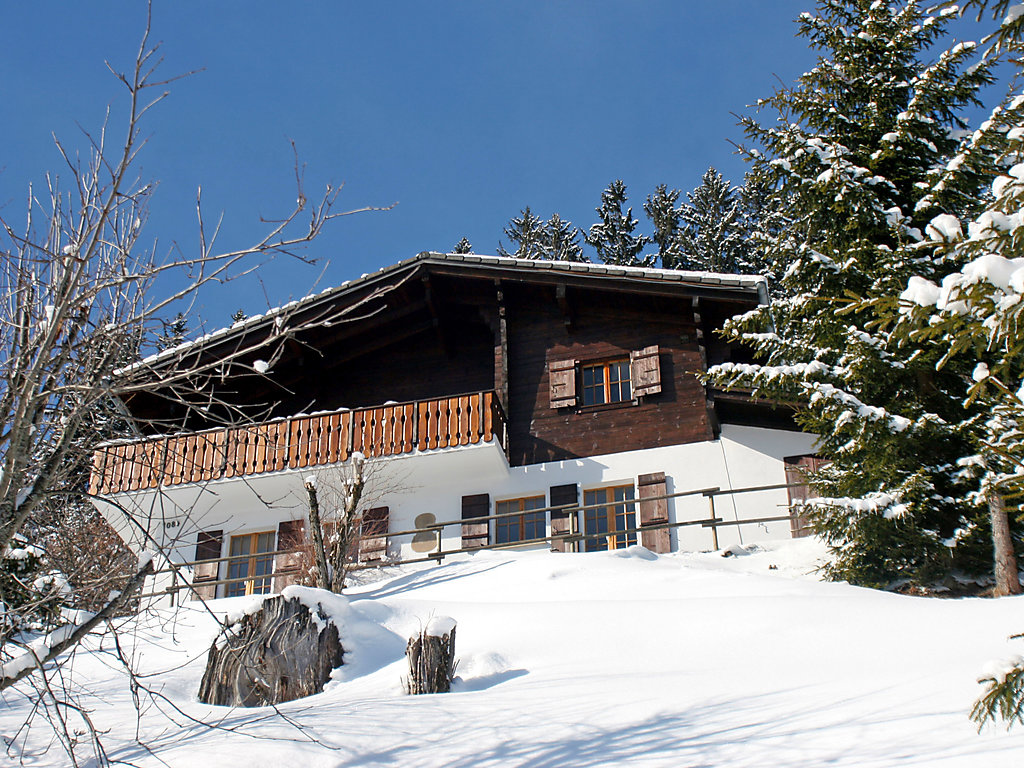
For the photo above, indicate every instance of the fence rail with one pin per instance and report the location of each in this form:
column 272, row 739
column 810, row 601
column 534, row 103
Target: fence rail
column 570, row 540
column 298, row 442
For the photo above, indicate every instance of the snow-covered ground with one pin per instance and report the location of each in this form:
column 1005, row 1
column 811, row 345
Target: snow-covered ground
column 603, row 659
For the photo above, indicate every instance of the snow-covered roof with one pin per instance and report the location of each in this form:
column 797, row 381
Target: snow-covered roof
column 754, row 284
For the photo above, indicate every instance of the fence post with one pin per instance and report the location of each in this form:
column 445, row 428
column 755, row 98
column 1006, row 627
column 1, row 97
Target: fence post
column 714, row 528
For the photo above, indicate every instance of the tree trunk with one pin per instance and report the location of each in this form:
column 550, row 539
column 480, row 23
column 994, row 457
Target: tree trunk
column 276, row 654
column 317, row 532
column 431, row 656
column 1007, row 576
column 348, row 529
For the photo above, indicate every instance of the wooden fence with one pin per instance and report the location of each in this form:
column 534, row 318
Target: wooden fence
column 570, row 541
column 298, row 442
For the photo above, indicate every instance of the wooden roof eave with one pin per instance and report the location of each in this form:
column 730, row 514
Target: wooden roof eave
column 323, row 310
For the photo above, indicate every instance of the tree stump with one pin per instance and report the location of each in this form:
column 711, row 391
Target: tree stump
column 431, row 656
column 280, row 653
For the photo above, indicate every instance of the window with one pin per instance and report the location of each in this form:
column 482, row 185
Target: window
column 251, row 561
column 530, row 525
column 606, row 382
column 617, row 515
column 613, row 381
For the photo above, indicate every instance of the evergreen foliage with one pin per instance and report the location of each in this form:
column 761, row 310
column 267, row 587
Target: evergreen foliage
column 762, row 220
column 30, row 597
column 526, row 233
column 973, row 315
column 463, row 246
column 712, row 232
column 857, row 160
column 613, row 236
column 174, row 332
column 662, row 209
column 561, row 240
column 1003, row 697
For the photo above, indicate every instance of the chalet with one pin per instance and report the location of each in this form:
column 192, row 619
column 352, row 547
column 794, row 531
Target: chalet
column 559, row 401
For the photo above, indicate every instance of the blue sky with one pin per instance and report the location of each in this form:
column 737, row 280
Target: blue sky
column 460, row 112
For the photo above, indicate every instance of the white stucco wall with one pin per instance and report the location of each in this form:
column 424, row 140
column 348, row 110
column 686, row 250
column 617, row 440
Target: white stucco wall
column 435, row 481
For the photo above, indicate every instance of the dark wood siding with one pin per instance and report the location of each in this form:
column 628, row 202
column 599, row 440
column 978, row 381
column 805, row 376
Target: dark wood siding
column 604, row 325
column 418, row 368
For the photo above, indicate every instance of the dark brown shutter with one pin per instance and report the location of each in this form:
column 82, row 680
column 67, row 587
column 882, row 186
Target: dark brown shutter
column 475, row 534
column 654, row 511
column 645, row 371
column 796, row 467
column 209, row 545
column 373, row 544
column 291, row 534
column 567, row 496
column 562, row 381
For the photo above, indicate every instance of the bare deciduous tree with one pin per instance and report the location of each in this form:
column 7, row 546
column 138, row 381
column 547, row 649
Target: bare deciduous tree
column 79, row 300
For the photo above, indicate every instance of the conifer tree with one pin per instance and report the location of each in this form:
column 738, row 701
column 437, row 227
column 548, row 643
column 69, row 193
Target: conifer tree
column 856, row 158
column 612, row 237
column 761, row 219
column 561, row 241
column 463, row 246
column 174, row 332
column 975, row 317
column 526, row 233
column 662, row 209
column 711, row 232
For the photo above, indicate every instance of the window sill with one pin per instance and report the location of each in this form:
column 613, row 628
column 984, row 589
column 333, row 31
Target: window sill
column 607, row 406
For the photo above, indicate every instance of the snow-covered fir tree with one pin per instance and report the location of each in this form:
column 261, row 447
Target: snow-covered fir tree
column 761, row 220
column 613, row 236
column 664, row 212
column 174, row 332
column 711, row 232
column 561, row 240
column 860, row 142
column 974, row 316
column 463, row 246
column 526, row 233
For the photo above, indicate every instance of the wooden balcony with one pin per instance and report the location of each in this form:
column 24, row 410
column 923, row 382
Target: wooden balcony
column 298, row 442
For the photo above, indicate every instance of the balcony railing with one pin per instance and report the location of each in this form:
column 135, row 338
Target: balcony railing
column 298, row 442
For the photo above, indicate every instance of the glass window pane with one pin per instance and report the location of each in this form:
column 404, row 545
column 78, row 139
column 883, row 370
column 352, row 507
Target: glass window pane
column 595, row 521
column 520, row 527
column 618, row 376
column 238, row 569
column 505, row 528
column 624, row 516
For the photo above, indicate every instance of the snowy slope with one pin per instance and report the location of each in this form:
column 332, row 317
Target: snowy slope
column 600, row 659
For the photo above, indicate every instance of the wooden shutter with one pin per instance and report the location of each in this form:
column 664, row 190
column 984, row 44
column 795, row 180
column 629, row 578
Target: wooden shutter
column 291, row 534
column 562, row 381
column 796, row 467
column 475, row 534
column 567, row 496
column 645, row 371
column 209, row 546
column 654, row 511
column 373, row 543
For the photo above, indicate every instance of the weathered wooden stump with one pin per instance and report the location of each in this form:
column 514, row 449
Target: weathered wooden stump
column 280, row 653
column 431, row 656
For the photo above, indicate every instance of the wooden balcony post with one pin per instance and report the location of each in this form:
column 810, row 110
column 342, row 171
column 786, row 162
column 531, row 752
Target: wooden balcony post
column 415, row 424
column 351, row 432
